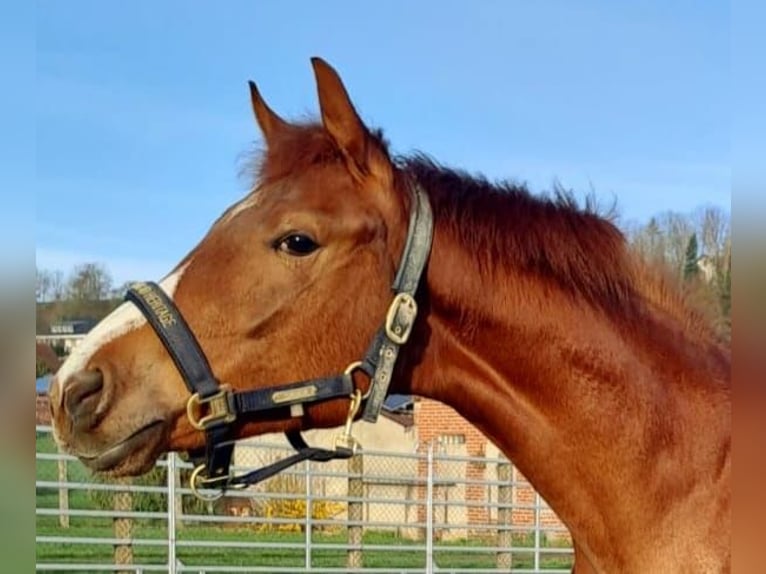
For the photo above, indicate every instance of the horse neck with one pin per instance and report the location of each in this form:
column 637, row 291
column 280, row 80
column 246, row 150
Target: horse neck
column 589, row 412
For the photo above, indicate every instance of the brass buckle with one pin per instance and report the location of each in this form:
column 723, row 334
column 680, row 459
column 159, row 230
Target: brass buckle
column 219, row 409
column 399, row 333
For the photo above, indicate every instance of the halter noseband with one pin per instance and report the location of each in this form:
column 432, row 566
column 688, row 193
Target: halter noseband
column 214, row 408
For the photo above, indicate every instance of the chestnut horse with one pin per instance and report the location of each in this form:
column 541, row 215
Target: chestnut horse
column 534, row 321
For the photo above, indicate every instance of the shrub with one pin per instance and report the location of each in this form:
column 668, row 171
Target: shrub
column 291, row 508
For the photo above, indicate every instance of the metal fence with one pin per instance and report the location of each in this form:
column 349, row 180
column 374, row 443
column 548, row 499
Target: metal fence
column 377, row 512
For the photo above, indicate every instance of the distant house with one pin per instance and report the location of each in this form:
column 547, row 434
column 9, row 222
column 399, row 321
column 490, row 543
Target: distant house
column 707, row 267
column 73, row 327
column 67, row 334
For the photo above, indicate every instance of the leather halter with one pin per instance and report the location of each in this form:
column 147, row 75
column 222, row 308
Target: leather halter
column 214, row 408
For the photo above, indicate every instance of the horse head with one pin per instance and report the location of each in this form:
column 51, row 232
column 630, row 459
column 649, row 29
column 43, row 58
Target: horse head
column 289, row 284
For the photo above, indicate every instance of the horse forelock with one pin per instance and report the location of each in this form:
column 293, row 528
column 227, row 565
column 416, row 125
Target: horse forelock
column 298, row 148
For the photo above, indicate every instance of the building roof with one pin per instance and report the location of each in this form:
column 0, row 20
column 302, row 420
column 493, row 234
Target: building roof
column 72, row 327
column 398, row 408
column 396, row 403
column 42, row 384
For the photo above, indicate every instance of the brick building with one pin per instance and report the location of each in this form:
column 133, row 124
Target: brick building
column 453, row 435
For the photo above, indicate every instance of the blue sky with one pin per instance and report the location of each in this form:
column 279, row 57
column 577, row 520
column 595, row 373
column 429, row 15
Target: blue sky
column 143, row 118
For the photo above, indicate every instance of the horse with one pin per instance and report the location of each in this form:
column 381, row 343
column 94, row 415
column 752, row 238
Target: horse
column 529, row 314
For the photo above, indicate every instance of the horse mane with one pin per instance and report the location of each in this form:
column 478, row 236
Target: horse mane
column 577, row 247
column 505, row 226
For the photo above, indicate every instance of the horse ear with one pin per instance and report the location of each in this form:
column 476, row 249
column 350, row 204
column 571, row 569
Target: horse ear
column 268, row 121
column 341, row 120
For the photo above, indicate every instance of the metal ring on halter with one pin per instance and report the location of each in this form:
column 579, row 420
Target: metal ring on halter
column 357, row 366
column 352, row 367
column 197, row 477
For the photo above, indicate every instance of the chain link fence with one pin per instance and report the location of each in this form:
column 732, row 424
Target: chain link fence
column 435, row 510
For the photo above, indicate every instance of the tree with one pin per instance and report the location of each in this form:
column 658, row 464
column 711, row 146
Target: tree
column 676, row 241
column 119, row 292
column 714, row 228
column 89, row 282
column 676, row 229
column 724, row 288
column 691, row 269
column 58, row 288
column 648, row 240
column 44, row 283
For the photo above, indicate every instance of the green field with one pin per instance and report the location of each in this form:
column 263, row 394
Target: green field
column 447, row 555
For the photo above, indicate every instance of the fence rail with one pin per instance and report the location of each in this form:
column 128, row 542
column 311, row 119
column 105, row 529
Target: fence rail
column 377, row 512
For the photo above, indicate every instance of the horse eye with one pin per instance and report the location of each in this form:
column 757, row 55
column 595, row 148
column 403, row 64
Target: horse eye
column 297, row 244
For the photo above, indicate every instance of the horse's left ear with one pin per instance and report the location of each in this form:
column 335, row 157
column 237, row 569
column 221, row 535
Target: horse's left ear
column 269, row 122
column 343, row 123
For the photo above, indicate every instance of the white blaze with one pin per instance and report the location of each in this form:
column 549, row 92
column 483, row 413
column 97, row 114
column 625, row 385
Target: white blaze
column 120, row 321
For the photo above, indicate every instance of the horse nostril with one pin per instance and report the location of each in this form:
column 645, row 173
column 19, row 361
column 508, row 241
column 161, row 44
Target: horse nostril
column 82, row 394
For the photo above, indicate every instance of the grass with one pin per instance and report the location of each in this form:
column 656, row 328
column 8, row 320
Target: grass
column 447, row 555
column 462, row 554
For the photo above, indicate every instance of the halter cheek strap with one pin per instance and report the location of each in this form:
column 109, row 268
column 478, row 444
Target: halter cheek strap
column 403, row 310
column 214, row 409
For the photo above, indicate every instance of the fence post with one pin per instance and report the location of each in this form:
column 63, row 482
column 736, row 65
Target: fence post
column 178, row 500
column 538, row 502
column 171, row 502
column 430, row 511
column 309, row 513
column 123, row 526
column 503, row 559
column 63, row 494
column 355, row 511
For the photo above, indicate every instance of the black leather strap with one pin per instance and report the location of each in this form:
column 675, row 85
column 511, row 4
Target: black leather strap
column 305, row 452
column 246, row 402
column 178, row 339
column 183, row 348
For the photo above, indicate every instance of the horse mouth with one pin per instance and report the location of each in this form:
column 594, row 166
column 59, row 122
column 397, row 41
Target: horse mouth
column 134, row 454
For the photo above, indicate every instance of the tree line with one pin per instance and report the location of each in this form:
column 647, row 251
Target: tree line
column 86, row 292
column 694, row 249
column 85, row 282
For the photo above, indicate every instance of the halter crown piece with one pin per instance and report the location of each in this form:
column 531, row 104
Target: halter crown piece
column 214, row 408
